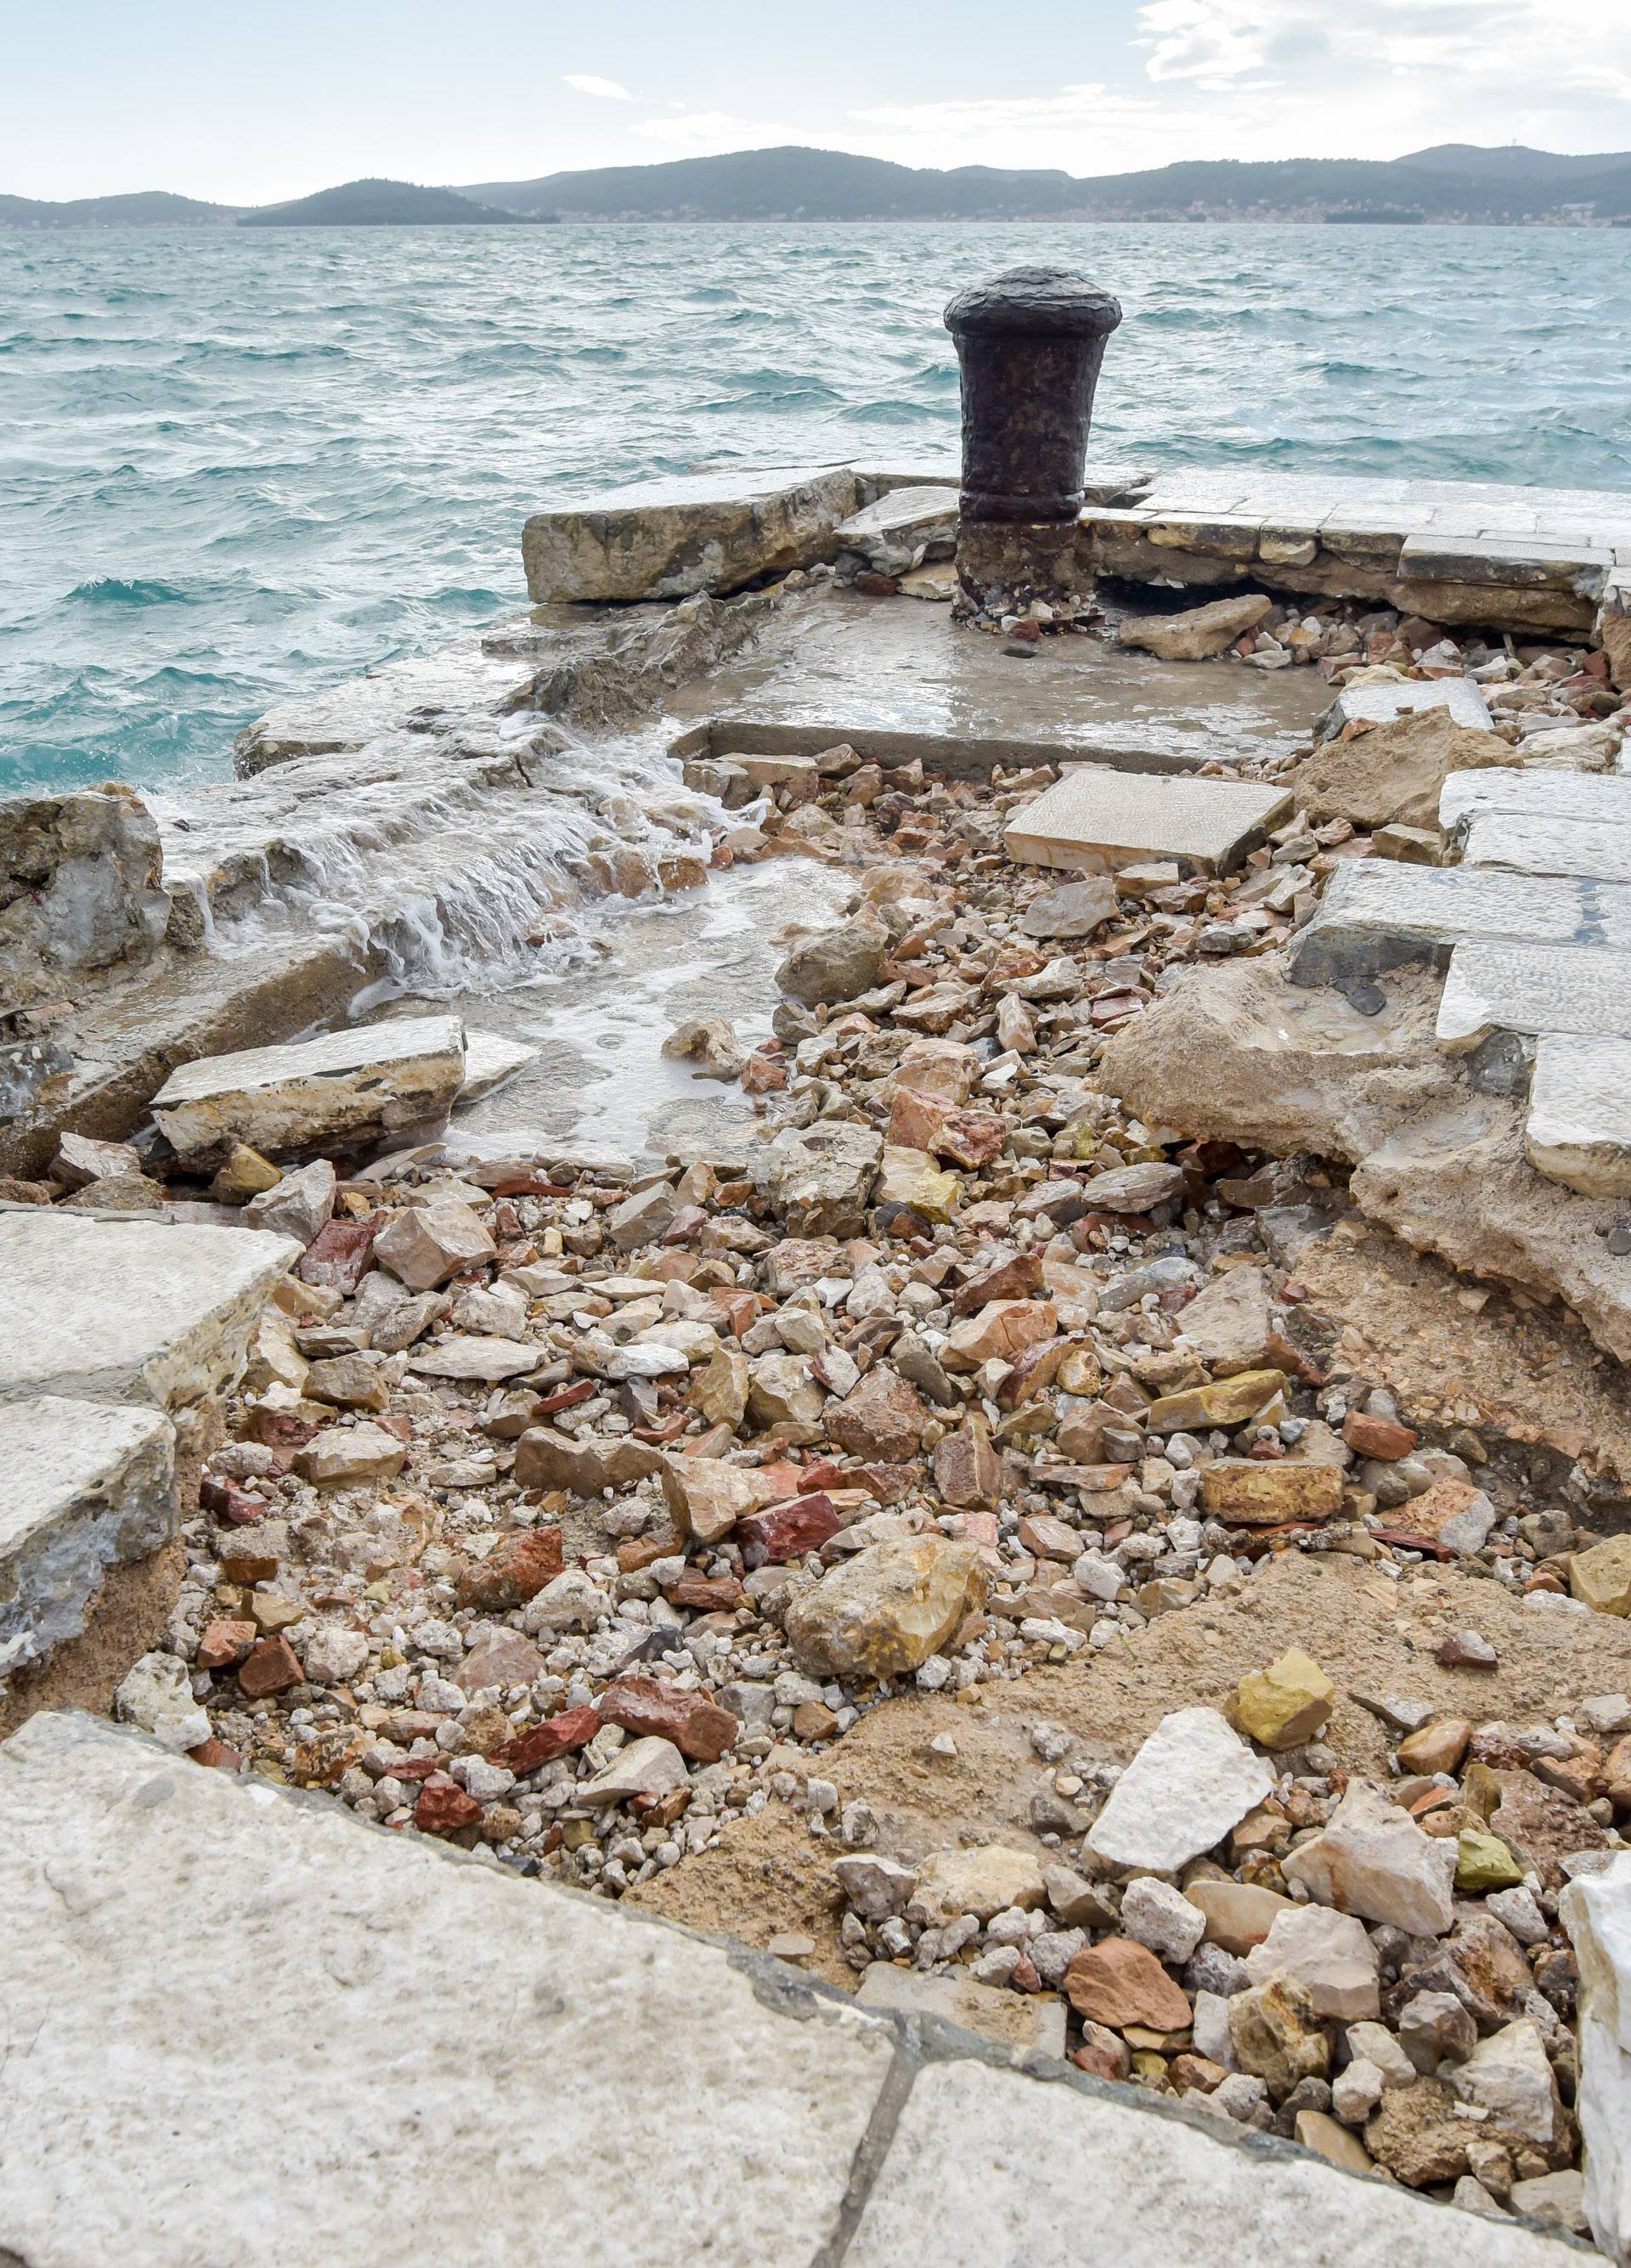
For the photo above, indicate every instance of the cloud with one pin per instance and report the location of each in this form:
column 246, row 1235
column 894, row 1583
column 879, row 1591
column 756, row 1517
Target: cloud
column 1090, row 127
column 607, row 89
column 706, row 132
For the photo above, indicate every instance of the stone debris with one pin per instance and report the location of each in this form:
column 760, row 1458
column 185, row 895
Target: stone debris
column 1190, row 1782
column 1200, row 634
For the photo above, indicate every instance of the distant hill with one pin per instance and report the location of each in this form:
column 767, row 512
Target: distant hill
column 146, row 208
column 1456, row 182
column 381, row 205
column 1450, row 183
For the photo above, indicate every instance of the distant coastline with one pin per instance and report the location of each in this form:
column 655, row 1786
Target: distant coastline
column 1456, row 184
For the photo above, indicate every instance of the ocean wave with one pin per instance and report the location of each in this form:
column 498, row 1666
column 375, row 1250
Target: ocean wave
column 109, row 591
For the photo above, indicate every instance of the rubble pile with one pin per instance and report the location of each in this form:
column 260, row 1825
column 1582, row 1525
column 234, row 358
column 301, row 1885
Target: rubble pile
column 573, row 1511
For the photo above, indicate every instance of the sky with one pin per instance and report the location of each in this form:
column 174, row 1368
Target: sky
column 259, row 100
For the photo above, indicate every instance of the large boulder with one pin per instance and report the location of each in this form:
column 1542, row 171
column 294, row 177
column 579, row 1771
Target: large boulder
column 79, row 887
column 820, row 1179
column 347, row 1087
column 835, row 964
column 884, row 1614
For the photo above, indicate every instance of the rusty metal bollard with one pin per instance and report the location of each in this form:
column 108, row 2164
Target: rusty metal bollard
column 1029, row 344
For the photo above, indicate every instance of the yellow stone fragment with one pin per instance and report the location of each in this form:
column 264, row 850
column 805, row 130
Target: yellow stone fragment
column 1285, row 1704
column 1602, row 1576
column 1226, row 1402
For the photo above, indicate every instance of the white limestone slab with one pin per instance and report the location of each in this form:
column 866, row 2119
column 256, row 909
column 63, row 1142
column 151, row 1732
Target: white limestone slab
column 127, row 1310
column 992, row 2169
column 241, row 2026
column 1578, row 1128
column 1579, row 988
column 1096, row 819
column 1596, row 848
column 668, row 539
column 1376, row 913
column 1381, row 704
column 1596, row 1913
column 84, row 1486
column 360, row 1083
column 1512, row 562
column 1602, row 797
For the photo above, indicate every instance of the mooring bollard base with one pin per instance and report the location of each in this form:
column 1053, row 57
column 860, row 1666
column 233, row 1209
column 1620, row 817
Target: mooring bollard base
column 1010, row 568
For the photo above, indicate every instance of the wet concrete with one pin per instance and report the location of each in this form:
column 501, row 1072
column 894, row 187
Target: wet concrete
column 849, row 663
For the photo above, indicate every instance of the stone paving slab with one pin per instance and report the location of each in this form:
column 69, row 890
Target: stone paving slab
column 83, row 1487
column 460, row 676
column 990, row 2170
column 1380, row 705
column 239, row 2027
column 128, row 1311
column 1377, row 914
column 1097, row 819
column 239, row 2024
column 1595, row 849
column 1533, row 989
column 1602, row 797
column 1507, row 559
column 1578, row 1130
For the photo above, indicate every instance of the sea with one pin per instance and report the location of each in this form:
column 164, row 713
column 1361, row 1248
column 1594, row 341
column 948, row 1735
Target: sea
column 238, row 465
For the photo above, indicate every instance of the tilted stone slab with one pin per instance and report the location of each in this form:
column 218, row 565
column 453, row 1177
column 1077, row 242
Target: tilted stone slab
column 355, row 1085
column 701, row 532
column 1376, row 913
column 1586, row 990
column 127, row 1310
column 1578, row 1131
column 1602, row 797
column 1097, row 819
column 889, row 536
column 1598, row 850
column 991, row 2170
column 1381, row 704
column 84, row 1486
column 1596, row 1910
column 225, row 2009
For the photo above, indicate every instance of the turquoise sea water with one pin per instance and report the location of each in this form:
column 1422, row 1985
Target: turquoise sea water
column 238, row 465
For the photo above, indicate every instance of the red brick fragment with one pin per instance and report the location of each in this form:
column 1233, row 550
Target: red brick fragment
column 556, row 1736
column 788, row 1531
column 272, row 1666
column 443, row 1809
column 340, row 1254
column 698, row 1727
column 225, row 1644
column 1378, row 1437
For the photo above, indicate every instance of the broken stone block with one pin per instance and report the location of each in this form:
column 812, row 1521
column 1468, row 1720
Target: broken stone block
column 1394, row 775
column 1596, row 1910
column 820, row 1179
column 1373, row 1859
column 990, row 1879
column 128, row 1311
column 891, row 537
column 640, row 1219
column 652, row 1766
column 1099, row 819
column 1285, row 1704
column 705, row 1498
column 1376, row 914
column 80, row 1162
column 490, row 1360
column 1274, row 2030
column 1600, row 1576
column 889, row 1607
column 581, row 1463
column 1250, row 1493
column 83, row 1487
column 881, row 1417
column 489, row 1059
column 835, row 964
column 348, row 1456
column 1133, row 1189
column 1119, row 1982
column 1329, row 1954
column 671, row 538
column 427, row 1244
column 1382, row 703
column 1192, row 1781
column 1229, row 1324
column 1200, row 633
column 1509, row 2077
column 298, row 1204
column 351, row 1086
column 1072, row 910
column 1578, row 1128
column 1227, row 1403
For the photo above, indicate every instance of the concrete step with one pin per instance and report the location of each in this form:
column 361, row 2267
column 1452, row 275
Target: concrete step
column 1377, row 914
column 1097, row 819
column 237, row 2024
